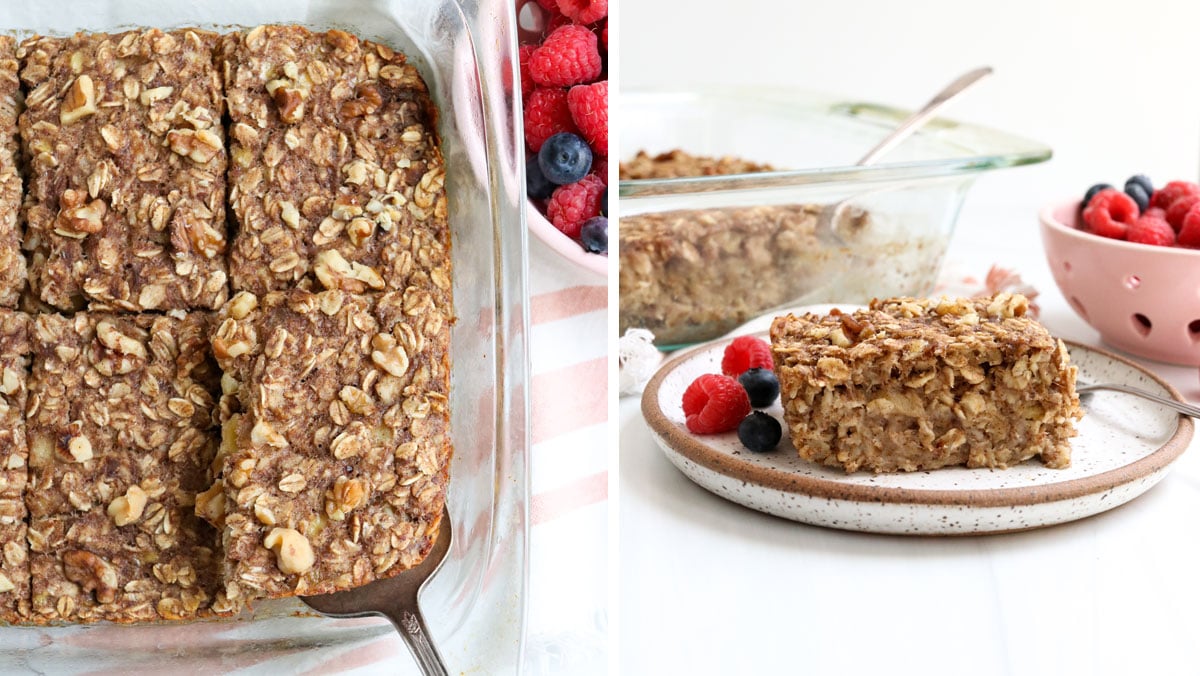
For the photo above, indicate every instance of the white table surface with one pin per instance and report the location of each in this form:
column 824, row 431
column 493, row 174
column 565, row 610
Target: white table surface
column 710, row 587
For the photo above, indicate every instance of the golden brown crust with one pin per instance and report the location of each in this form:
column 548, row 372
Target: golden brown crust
column 913, row 384
column 337, row 179
column 126, row 198
column 337, row 430
column 122, row 433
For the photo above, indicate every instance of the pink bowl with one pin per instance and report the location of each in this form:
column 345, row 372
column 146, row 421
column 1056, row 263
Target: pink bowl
column 1142, row 299
column 563, row 245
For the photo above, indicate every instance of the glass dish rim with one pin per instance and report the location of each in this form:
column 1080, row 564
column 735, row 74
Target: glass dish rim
column 1002, row 149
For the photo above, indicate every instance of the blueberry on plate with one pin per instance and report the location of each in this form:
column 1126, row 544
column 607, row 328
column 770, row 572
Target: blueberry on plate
column 1139, row 195
column 565, row 158
column 759, row 432
column 1142, row 180
column 536, row 184
column 1091, row 192
column 762, row 386
column 594, row 235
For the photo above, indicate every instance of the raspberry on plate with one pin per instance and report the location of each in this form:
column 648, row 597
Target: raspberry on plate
column 546, row 114
column 589, row 110
column 744, row 353
column 1110, row 213
column 714, row 404
column 1152, row 228
column 572, row 205
column 569, row 56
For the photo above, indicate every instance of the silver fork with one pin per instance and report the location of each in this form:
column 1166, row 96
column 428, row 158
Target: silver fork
column 1084, row 390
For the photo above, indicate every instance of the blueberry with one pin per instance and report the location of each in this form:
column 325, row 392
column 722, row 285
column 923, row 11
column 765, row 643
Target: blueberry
column 565, row 158
column 535, row 181
column 604, row 203
column 759, row 432
column 1139, row 195
column 594, row 235
column 1091, row 192
column 762, row 386
column 1142, row 180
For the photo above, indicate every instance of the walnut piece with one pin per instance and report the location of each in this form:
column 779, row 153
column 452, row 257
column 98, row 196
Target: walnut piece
column 76, row 219
column 80, row 100
column 128, row 508
column 200, row 146
column 346, row 495
column 92, row 573
column 293, row 553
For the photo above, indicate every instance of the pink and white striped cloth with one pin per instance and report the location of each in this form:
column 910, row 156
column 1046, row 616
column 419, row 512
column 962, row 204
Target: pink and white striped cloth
column 568, row 620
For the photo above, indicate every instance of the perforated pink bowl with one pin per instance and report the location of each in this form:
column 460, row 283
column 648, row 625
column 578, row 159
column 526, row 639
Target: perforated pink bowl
column 1142, row 299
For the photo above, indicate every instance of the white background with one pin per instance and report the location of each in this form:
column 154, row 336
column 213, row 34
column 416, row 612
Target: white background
column 709, row 587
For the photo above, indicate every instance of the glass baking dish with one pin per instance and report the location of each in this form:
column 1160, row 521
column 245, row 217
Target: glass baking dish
column 700, row 256
column 475, row 606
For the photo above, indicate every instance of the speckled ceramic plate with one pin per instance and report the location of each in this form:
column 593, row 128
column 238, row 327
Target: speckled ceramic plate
column 1125, row 446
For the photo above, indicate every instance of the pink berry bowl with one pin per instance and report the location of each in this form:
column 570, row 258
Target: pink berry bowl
column 1142, row 299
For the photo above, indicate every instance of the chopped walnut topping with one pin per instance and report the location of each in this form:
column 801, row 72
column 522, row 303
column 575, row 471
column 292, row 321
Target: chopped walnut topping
column 292, row 550
column 92, row 573
column 80, row 100
column 127, row 508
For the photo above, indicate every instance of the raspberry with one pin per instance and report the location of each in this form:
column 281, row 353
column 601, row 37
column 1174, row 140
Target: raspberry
column 604, row 36
column 584, row 11
column 571, row 205
column 1110, row 213
column 546, row 114
column 1189, row 234
column 569, row 56
column 714, row 404
column 551, row 5
column 1165, row 196
column 600, row 169
column 744, row 353
column 1152, row 228
column 1180, row 208
column 589, row 110
column 526, row 80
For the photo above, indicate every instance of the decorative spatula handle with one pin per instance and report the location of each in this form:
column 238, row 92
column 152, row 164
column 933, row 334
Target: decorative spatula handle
column 411, row 625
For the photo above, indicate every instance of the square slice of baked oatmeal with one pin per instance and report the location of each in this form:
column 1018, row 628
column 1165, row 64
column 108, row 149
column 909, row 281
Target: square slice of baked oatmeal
column 126, row 151
column 337, row 178
column 336, row 450
column 122, row 434
column 914, row 384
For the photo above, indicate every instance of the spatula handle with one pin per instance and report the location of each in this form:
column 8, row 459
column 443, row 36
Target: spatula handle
column 411, row 625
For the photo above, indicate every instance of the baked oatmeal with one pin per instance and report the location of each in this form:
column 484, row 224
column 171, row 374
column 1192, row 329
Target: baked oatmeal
column 337, row 179
column 336, row 446
column 693, row 274
column 12, row 263
column 122, row 434
column 14, row 457
column 126, row 152
column 913, row 384
column 679, row 164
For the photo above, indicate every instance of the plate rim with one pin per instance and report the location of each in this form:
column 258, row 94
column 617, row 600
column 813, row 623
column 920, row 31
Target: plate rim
column 742, row 470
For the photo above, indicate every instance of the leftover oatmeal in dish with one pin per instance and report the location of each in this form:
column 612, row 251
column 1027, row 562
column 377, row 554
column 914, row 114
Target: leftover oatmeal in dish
column 914, row 384
column 689, row 274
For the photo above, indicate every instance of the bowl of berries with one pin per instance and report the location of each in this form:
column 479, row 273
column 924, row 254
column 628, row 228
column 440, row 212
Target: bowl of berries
column 564, row 91
column 1128, row 262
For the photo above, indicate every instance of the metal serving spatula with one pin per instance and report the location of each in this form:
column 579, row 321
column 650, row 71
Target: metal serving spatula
column 396, row 599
